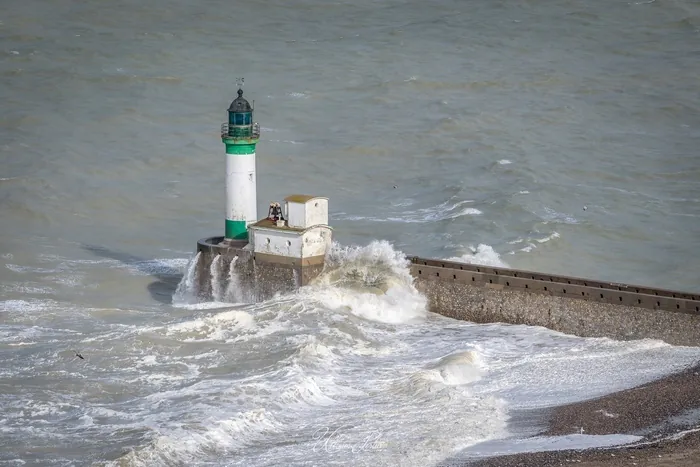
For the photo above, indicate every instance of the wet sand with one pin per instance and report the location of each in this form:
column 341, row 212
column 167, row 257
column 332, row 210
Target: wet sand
column 666, row 413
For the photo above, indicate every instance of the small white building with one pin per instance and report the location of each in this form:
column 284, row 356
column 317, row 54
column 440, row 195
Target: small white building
column 303, row 237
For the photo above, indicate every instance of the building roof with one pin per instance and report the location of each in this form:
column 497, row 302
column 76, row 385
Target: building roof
column 302, row 198
column 239, row 104
column 268, row 224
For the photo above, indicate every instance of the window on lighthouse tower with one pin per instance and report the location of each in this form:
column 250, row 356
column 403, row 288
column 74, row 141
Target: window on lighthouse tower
column 241, row 118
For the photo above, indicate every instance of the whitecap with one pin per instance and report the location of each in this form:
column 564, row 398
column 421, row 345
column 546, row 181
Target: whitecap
column 371, row 282
column 444, row 211
column 481, row 254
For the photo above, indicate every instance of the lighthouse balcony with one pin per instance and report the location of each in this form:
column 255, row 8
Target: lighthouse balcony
column 240, row 131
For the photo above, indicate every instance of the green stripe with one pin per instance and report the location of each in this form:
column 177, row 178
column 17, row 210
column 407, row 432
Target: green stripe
column 236, row 230
column 240, row 148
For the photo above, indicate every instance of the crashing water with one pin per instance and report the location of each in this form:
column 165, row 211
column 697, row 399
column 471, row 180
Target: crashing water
column 351, row 368
column 217, row 283
column 187, row 289
column 233, row 288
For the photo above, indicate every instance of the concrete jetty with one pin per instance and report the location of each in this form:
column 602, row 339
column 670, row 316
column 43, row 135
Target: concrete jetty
column 588, row 308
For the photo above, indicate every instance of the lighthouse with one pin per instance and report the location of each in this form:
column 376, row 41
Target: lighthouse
column 257, row 258
column 240, row 135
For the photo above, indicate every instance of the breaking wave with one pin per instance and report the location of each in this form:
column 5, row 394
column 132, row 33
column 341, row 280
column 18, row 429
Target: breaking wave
column 444, row 211
column 371, row 282
column 481, row 254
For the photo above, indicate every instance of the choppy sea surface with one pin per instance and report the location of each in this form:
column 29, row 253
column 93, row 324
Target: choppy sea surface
column 558, row 136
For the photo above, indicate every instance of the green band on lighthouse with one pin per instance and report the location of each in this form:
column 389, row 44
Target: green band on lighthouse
column 240, row 148
column 236, row 230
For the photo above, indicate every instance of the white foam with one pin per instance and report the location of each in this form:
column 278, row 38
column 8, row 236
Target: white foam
column 27, row 305
column 457, row 369
column 216, row 282
column 308, row 391
column 532, row 243
column 205, row 305
column 27, row 289
column 553, row 216
column 171, row 266
column 549, row 443
column 552, row 236
column 193, row 441
column 481, row 254
column 23, row 269
column 213, row 327
column 315, row 350
column 536, row 367
column 234, row 290
column 372, row 282
column 186, row 292
column 402, row 203
column 443, row 211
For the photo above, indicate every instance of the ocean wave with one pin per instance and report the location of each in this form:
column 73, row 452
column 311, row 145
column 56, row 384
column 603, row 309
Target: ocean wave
column 372, row 282
column 531, row 243
column 441, row 212
column 217, row 326
column 456, row 369
column 481, row 254
column 550, row 215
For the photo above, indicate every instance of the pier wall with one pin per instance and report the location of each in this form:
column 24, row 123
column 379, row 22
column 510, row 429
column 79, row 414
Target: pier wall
column 587, row 308
column 235, row 273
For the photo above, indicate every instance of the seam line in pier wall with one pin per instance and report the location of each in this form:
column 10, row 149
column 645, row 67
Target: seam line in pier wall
column 586, row 308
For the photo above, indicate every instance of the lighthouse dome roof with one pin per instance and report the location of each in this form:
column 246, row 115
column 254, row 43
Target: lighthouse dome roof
column 239, row 104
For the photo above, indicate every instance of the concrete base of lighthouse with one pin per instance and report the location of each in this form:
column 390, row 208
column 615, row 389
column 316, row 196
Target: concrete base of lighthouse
column 239, row 274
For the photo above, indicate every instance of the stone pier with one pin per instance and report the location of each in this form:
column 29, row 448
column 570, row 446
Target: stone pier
column 583, row 307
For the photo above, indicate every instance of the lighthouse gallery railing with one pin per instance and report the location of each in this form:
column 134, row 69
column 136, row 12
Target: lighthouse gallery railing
column 240, row 131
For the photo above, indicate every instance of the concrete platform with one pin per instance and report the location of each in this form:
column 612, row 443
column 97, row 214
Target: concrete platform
column 248, row 276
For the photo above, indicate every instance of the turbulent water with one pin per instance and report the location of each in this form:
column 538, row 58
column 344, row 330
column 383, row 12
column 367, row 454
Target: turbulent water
column 557, row 136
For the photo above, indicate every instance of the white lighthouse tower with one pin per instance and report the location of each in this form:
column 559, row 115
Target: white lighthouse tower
column 240, row 135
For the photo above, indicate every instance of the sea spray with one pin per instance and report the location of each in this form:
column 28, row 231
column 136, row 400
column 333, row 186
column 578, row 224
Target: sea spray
column 373, row 282
column 481, row 254
column 188, row 289
column 234, row 286
column 216, row 285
